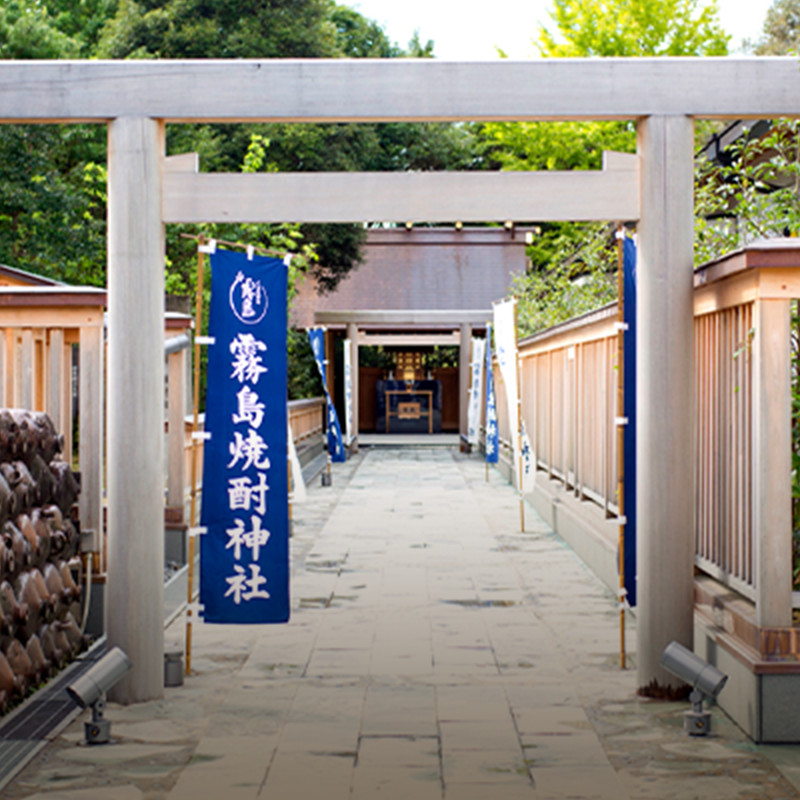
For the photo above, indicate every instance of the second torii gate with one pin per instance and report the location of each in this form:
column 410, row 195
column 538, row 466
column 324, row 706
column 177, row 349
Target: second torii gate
column 137, row 98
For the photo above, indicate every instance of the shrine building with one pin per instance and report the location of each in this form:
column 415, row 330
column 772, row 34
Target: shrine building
column 408, row 313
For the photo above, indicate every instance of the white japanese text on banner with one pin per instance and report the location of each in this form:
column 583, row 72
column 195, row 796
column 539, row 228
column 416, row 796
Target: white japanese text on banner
column 244, row 565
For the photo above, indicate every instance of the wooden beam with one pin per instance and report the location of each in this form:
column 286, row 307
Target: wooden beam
column 366, row 339
column 338, row 90
column 665, row 398
column 48, row 296
column 454, row 317
column 135, row 419
column 405, row 196
column 67, row 317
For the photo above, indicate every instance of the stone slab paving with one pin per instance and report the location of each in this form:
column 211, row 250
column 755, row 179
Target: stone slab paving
column 434, row 651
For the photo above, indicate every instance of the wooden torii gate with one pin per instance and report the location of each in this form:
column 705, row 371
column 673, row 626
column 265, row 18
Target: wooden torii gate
column 146, row 190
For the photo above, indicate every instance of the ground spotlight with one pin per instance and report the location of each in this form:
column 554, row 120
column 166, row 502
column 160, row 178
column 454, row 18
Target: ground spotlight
column 90, row 690
column 705, row 679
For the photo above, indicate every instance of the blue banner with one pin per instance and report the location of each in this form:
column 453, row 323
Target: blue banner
column 491, row 406
column 244, row 564
column 629, row 436
column 335, row 447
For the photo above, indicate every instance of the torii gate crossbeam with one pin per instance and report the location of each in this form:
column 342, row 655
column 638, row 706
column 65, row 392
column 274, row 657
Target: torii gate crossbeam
column 136, row 98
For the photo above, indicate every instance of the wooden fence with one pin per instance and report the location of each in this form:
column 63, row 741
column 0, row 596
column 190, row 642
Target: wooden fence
column 52, row 357
column 46, row 331
column 742, row 423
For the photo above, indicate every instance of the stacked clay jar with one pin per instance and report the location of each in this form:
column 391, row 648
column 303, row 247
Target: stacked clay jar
column 39, row 598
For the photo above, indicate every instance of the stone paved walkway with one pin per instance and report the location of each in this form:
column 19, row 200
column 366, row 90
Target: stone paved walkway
column 434, row 652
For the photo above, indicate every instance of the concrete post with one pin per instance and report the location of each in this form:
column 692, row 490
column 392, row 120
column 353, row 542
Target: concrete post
column 135, row 597
column 665, row 397
column 352, row 335
column 464, row 355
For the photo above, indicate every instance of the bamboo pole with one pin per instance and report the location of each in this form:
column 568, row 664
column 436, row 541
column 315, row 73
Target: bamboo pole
column 621, row 441
column 198, row 322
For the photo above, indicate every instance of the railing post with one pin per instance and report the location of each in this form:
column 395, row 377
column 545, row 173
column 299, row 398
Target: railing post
column 772, row 447
column 665, row 396
column 90, row 444
column 28, row 371
column 176, row 414
column 135, row 595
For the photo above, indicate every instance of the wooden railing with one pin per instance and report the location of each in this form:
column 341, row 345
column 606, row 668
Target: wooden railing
column 43, row 327
column 723, row 467
column 568, row 404
column 742, row 423
column 306, row 419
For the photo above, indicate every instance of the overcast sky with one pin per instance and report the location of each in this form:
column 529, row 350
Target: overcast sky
column 472, row 31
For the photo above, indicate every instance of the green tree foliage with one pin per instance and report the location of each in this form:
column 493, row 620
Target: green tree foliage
column 781, row 35
column 358, row 37
column 52, row 203
column 82, row 21
column 753, row 194
column 571, row 263
column 576, row 280
column 634, row 28
column 554, row 145
column 286, row 28
column 28, row 31
column 219, row 29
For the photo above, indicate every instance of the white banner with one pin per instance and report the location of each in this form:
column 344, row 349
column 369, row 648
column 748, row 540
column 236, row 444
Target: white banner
column 476, row 381
column 348, row 392
column 505, row 339
column 528, row 466
column 298, row 494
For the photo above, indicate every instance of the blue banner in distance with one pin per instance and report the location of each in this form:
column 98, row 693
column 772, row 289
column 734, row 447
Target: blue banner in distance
column 316, row 336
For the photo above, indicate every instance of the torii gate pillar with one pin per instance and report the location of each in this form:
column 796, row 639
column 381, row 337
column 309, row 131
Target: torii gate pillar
column 135, row 448
column 665, row 396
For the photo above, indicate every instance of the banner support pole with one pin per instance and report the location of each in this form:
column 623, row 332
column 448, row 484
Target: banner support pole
column 486, row 396
column 198, row 322
column 519, row 419
column 621, row 441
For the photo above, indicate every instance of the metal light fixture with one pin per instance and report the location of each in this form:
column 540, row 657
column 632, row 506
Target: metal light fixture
column 705, row 679
column 90, row 690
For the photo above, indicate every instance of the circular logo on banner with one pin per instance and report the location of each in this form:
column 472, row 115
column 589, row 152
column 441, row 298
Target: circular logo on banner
column 248, row 299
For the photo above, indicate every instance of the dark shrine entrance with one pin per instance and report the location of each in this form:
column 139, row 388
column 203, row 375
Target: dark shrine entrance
column 409, row 312
column 411, row 391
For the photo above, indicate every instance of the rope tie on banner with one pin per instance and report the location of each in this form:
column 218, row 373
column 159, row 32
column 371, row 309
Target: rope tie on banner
column 209, row 246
